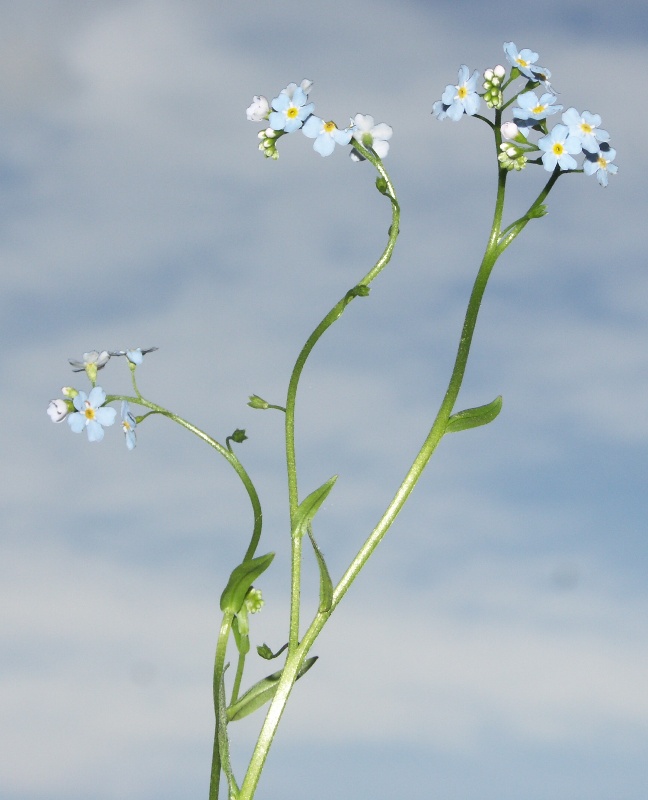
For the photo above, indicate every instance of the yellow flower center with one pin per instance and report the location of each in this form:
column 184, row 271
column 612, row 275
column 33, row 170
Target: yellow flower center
column 329, row 127
column 522, row 62
column 292, row 112
column 538, row 109
column 602, row 162
column 586, row 128
column 462, row 93
column 558, row 149
column 89, row 412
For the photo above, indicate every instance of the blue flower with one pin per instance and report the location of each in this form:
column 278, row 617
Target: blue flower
column 91, row 414
column 599, row 163
column 290, row 111
column 129, row 423
column 559, row 147
column 530, row 108
column 459, row 99
column 326, row 135
column 305, row 86
column 585, row 127
column 525, row 60
column 135, row 356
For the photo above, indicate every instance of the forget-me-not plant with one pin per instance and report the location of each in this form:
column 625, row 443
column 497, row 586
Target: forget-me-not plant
column 515, row 115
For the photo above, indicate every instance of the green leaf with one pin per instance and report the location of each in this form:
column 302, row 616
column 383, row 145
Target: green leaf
column 240, row 581
column 262, row 692
column 474, row 417
column 326, row 584
column 307, row 509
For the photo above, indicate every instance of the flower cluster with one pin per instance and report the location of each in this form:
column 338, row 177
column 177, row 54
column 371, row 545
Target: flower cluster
column 579, row 134
column 291, row 111
column 89, row 411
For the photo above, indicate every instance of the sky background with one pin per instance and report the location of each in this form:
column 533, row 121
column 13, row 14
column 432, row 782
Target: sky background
column 496, row 647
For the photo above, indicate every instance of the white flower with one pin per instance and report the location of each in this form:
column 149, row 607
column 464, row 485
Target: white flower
column 370, row 135
column 259, row 109
column 58, row 410
column 92, row 360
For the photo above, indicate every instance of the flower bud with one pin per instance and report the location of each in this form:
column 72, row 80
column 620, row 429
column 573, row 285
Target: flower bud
column 258, row 402
column 511, row 131
column 58, row 410
column 254, row 600
column 259, row 109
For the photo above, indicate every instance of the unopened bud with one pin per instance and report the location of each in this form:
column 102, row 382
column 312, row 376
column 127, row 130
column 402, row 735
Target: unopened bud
column 57, row 410
column 258, row 402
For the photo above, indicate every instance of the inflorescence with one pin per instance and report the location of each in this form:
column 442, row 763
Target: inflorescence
column 579, row 133
column 89, row 411
column 290, row 111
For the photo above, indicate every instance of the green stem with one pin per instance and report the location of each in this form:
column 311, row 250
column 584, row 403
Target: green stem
column 515, row 228
column 227, row 454
column 334, row 314
column 219, row 668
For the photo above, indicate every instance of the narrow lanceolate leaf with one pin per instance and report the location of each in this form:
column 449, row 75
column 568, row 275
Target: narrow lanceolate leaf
column 261, row 693
column 240, row 581
column 307, row 509
column 474, row 417
column 326, row 584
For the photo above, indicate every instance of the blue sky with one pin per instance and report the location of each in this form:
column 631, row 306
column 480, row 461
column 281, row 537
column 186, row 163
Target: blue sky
column 497, row 646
